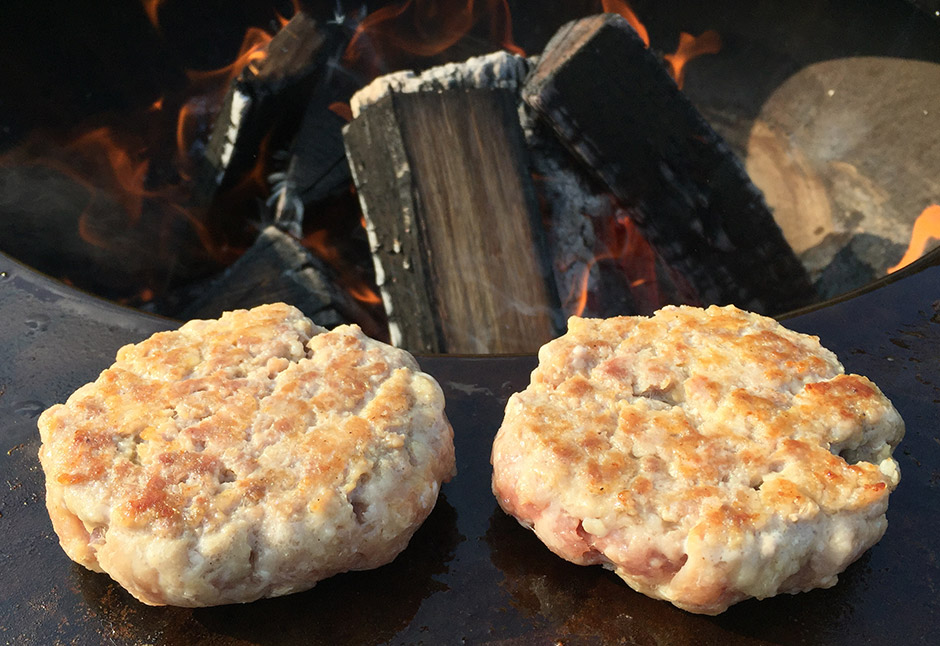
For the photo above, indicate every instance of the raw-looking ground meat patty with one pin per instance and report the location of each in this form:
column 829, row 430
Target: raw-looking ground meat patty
column 706, row 456
column 245, row 457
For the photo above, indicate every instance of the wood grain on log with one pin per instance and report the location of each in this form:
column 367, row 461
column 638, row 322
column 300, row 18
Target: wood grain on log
column 453, row 221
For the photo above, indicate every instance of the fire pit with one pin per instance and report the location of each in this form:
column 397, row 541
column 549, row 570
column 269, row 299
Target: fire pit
column 830, row 109
column 161, row 199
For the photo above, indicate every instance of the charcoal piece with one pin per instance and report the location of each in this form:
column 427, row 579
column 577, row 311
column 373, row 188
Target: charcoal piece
column 316, row 166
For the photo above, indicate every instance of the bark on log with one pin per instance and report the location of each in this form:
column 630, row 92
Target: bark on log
column 613, row 105
column 441, row 172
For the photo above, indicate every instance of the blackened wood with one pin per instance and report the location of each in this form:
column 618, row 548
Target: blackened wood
column 265, row 97
column 277, row 268
column 453, row 222
column 316, row 166
column 613, row 104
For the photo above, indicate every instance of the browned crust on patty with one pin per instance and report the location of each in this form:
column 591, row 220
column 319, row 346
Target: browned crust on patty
column 706, row 456
column 245, row 457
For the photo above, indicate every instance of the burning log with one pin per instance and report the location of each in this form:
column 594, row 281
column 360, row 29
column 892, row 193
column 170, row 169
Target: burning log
column 266, row 93
column 599, row 268
column 439, row 161
column 278, row 268
column 685, row 189
column 316, row 166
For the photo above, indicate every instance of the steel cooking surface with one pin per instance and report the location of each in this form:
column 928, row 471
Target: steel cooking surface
column 471, row 574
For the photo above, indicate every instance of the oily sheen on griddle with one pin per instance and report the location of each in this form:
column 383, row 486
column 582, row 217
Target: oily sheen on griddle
column 704, row 455
column 245, row 457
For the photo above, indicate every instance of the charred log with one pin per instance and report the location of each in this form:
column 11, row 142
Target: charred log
column 685, row 189
column 315, row 167
column 278, row 268
column 440, row 166
column 264, row 98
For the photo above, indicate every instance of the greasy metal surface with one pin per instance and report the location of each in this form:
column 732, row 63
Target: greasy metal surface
column 470, row 575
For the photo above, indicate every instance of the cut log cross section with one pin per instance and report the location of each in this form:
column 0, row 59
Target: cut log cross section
column 611, row 102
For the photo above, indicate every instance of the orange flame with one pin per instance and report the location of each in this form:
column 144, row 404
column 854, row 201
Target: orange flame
column 622, row 8
column 364, row 294
column 318, row 242
column 253, row 50
column 152, row 7
column 113, row 169
column 127, row 173
column 388, row 37
column 342, row 110
column 926, row 228
column 691, row 47
column 208, row 88
column 635, row 257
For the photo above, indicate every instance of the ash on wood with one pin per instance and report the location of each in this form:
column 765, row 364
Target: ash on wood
column 440, row 167
column 613, row 105
column 278, row 268
column 263, row 96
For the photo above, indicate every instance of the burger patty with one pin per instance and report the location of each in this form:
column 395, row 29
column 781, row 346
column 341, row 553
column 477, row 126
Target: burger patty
column 706, row 456
column 245, row 457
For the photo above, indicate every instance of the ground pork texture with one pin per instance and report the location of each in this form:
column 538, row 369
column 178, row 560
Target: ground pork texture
column 704, row 455
column 245, row 457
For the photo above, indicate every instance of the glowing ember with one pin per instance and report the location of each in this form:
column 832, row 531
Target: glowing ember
column 926, row 228
column 634, row 257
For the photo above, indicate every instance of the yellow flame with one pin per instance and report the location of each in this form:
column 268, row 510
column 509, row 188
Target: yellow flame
column 926, row 228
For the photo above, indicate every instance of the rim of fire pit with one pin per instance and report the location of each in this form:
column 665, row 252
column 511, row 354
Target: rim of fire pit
column 78, row 302
column 472, row 573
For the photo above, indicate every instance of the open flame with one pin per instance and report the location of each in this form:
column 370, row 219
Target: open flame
column 409, row 34
column 709, row 42
column 128, row 171
column 122, row 160
column 319, row 242
column 622, row 243
column 396, row 36
column 690, row 47
column 926, row 228
column 152, row 9
column 622, row 8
